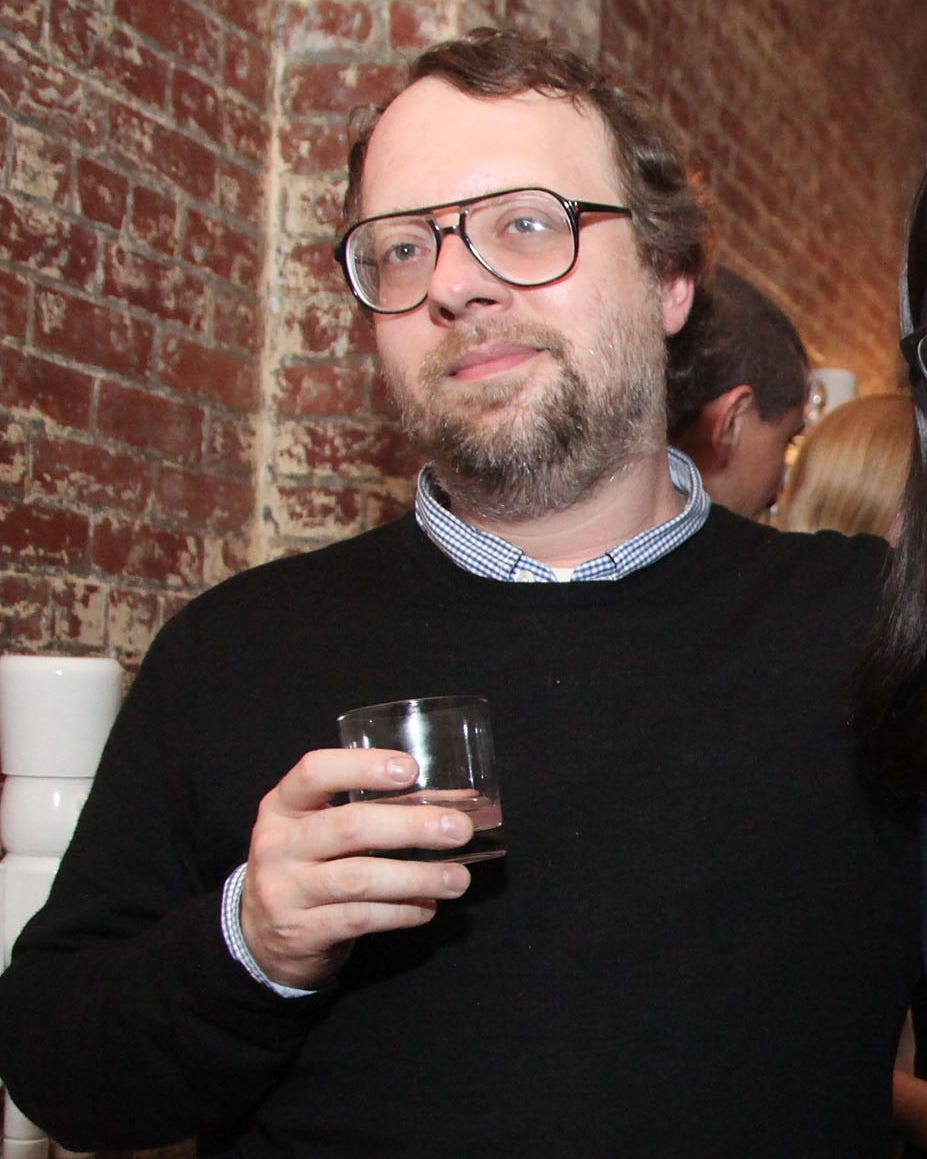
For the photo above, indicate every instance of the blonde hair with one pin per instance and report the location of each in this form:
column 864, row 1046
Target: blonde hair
column 850, row 471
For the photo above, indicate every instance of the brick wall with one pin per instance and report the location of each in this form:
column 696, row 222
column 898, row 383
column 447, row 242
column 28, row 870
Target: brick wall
column 185, row 387
column 134, row 141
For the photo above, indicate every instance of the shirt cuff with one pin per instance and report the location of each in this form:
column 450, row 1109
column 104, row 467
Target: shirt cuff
column 235, row 939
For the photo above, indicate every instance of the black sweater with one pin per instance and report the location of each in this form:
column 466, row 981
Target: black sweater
column 701, row 943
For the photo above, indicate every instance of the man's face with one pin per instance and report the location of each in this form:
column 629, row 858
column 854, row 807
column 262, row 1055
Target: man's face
column 525, row 399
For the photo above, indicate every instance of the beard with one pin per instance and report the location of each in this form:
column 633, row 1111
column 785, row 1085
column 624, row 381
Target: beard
column 518, row 446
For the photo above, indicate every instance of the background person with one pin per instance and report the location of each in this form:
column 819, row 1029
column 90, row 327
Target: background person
column 737, row 385
column 850, row 471
column 892, row 708
column 691, row 851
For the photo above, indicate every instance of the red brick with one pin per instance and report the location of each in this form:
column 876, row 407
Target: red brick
column 14, row 300
column 330, row 87
column 160, row 150
column 238, row 320
column 35, row 534
column 316, row 145
column 102, row 194
column 40, row 165
column 24, row 17
column 142, row 551
column 44, row 388
column 49, row 95
column 382, row 505
column 321, row 388
column 154, row 218
column 240, row 193
column 351, row 450
column 306, row 511
column 248, row 69
column 78, row 612
column 312, row 266
column 228, row 252
column 88, row 475
column 246, row 132
column 204, row 500
column 416, row 26
column 196, row 105
column 23, row 605
column 177, row 26
column 40, row 238
column 87, row 37
column 94, row 335
column 231, row 443
column 209, row 373
column 325, row 331
column 14, row 456
column 161, row 289
column 132, row 618
column 328, row 27
column 150, row 421
column 253, row 16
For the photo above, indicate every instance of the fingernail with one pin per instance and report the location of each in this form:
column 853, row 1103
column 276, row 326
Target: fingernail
column 399, row 770
column 454, row 825
column 455, row 880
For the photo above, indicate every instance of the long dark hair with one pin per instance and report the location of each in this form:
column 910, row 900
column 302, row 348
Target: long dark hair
column 892, row 710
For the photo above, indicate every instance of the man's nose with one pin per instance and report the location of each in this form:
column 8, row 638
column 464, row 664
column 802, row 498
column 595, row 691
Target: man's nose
column 459, row 283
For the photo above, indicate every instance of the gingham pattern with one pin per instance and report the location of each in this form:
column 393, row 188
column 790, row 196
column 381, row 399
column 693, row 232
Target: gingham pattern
column 234, row 939
column 488, row 555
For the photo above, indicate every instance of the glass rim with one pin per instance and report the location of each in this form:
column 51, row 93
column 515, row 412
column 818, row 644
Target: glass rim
column 414, row 705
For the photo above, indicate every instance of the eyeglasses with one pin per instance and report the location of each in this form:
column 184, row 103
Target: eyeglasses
column 914, row 348
column 523, row 237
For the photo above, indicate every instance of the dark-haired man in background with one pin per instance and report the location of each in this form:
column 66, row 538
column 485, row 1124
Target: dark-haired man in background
column 737, row 386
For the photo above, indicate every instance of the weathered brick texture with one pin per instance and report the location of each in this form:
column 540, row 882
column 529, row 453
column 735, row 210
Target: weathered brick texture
column 133, row 229
column 185, row 386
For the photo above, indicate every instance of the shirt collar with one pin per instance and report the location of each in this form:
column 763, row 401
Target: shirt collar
column 492, row 557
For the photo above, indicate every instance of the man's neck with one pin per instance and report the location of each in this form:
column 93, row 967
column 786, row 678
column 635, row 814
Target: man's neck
column 633, row 500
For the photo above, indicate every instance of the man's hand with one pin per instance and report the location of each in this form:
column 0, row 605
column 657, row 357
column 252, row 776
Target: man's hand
column 311, row 887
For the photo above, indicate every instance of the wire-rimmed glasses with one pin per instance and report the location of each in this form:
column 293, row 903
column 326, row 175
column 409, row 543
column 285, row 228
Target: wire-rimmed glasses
column 523, row 237
column 914, row 348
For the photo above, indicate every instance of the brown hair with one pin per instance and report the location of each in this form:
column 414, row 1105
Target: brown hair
column 850, row 472
column 665, row 194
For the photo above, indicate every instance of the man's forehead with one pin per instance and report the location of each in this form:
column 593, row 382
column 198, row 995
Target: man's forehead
column 435, row 143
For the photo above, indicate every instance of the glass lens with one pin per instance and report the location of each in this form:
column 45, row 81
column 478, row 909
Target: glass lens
column 392, row 260
column 525, row 237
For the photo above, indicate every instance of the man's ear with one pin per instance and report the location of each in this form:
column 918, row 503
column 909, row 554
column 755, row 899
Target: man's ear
column 676, row 298
column 722, row 422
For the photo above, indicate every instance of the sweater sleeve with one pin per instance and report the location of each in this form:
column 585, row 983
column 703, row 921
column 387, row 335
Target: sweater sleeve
column 124, row 1020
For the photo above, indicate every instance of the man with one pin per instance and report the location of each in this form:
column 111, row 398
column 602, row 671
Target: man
column 737, row 385
column 703, row 936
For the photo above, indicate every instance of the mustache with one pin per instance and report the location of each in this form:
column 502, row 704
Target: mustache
column 454, row 345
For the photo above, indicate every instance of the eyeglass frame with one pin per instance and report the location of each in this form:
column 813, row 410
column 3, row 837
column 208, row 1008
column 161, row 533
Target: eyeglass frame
column 572, row 207
column 914, row 348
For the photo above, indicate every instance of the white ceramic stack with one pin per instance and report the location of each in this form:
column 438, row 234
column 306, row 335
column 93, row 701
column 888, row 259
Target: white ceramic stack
column 55, row 716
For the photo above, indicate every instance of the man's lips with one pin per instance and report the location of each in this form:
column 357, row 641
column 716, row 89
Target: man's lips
column 492, row 358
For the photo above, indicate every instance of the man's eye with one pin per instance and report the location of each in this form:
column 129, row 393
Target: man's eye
column 401, row 252
column 526, row 224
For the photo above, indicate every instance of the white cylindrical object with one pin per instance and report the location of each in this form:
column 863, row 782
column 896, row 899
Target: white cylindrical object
column 24, row 886
column 839, row 385
column 56, row 713
column 38, row 814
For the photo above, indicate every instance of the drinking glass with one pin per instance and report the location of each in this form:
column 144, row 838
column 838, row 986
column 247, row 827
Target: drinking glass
column 450, row 738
